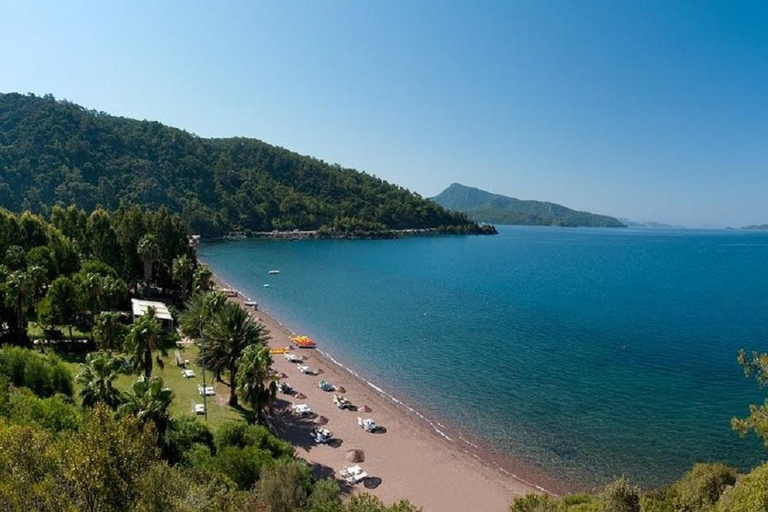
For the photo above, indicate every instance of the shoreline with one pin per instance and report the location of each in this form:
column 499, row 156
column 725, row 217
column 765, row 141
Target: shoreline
column 470, row 474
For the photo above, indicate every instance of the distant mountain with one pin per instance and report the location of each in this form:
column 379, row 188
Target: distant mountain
column 55, row 152
column 756, row 226
column 651, row 224
column 482, row 206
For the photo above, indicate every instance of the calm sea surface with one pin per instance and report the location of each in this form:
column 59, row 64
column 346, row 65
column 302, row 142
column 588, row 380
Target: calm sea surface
column 588, row 352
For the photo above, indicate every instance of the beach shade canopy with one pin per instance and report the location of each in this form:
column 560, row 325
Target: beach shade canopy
column 372, row 482
column 301, row 396
column 341, row 389
column 321, row 420
column 355, row 456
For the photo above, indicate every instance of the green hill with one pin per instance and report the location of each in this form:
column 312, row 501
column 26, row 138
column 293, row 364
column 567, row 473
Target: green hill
column 482, row 206
column 56, row 152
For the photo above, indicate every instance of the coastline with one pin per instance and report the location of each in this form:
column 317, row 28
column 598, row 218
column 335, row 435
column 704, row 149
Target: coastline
column 419, row 458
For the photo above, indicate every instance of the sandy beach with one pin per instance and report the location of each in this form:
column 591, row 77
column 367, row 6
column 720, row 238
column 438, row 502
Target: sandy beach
column 410, row 460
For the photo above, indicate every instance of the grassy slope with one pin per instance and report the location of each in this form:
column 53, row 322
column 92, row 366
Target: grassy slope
column 185, row 390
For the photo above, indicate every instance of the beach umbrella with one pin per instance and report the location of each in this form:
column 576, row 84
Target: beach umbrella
column 366, row 409
column 321, row 420
column 301, row 396
column 355, row 456
column 341, row 389
column 372, row 482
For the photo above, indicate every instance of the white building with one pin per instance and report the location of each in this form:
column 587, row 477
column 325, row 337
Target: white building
column 140, row 307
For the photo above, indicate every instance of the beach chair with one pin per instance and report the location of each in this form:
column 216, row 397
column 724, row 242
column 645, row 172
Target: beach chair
column 352, row 470
column 368, row 424
column 353, row 475
column 301, row 409
column 197, row 408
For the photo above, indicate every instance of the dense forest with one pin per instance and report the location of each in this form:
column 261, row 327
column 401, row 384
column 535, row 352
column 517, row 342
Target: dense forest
column 482, row 206
column 55, row 152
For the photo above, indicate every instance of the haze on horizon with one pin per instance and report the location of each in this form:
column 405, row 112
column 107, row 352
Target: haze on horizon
column 649, row 111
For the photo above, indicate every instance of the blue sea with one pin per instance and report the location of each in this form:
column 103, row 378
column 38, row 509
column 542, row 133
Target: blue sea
column 590, row 353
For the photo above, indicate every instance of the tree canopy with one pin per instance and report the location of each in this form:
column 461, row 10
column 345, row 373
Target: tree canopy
column 58, row 153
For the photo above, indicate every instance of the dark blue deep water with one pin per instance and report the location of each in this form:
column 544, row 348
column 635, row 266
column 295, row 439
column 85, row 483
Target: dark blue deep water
column 588, row 352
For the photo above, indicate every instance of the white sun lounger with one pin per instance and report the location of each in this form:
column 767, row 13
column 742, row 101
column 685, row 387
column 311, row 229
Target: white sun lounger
column 188, row 373
column 368, row 424
column 293, row 358
column 352, row 470
column 354, row 479
column 301, row 409
column 304, row 369
column 353, row 475
column 207, row 391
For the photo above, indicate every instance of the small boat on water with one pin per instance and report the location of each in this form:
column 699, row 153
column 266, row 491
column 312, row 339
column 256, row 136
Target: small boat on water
column 266, row 285
column 273, row 271
column 304, row 342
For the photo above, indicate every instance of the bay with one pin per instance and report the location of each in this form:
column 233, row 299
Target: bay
column 589, row 353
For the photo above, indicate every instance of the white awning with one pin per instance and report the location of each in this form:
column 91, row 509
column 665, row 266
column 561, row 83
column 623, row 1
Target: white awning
column 140, row 307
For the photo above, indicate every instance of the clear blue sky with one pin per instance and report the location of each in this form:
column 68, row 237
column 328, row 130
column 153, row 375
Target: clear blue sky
column 648, row 110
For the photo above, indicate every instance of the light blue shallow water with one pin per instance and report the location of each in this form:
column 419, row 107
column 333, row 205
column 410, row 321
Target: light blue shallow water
column 605, row 352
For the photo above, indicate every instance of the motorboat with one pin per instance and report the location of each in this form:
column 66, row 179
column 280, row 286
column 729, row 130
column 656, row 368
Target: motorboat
column 273, row 272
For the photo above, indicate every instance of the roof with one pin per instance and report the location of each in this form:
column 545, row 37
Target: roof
column 140, row 307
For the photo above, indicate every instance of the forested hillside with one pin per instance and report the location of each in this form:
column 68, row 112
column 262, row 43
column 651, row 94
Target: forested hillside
column 55, row 152
column 482, row 206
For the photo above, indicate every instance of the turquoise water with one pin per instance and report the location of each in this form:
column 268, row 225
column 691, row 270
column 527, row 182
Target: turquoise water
column 591, row 353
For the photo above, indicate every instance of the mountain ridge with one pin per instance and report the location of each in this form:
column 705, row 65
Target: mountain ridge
column 483, row 206
column 56, row 152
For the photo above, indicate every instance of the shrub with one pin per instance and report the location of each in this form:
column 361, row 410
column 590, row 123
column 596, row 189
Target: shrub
column 620, row 496
column 325, row 496
column 44, row 375
column 750, row 494
column 284, row 487
column 701, row 487
column 533, row 503
column 182, row 434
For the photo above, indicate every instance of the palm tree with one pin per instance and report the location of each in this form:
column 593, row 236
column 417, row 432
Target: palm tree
column 148, row 400
column 19, row 292
column 108, row 330
column 200, row 311
column 183, row 273
column 99, row 371
column 255, row 381
column 142, row 341
column 202, row 279
column 149, row 252
column 227, row 336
